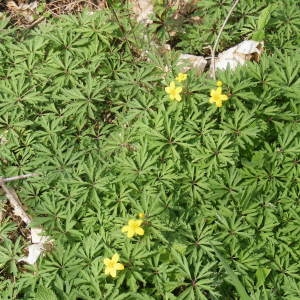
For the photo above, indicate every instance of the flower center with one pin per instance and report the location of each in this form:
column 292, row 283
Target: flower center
column 173, row 92
column 217, row 98
column 111, row 264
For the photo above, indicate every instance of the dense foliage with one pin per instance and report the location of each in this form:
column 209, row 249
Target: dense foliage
column 83, row 103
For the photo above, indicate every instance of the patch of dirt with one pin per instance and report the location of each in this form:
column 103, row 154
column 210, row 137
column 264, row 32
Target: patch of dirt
column 58, row 7
column 28, row 13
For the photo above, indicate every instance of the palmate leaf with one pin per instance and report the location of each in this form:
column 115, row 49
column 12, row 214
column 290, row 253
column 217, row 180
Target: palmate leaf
column 194, row 182
column 44, row 293
column 167, row 136
column 65, row 70
column 141, row 79
column 242, row 128
column 83, row 103
column 197, row 279
column 98, row 27
column 216, row 153
column 262, row 22
column 291, row 288
column 66, row 40
column 17, row 93
column 234, row 280
column 141, row 164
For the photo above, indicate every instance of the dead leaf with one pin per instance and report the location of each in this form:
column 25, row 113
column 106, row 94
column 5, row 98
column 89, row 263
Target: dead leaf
column 34, row 252
column 188, row 61
column 37, row 247
column 37, row 237
column 142, row 9
column 238, row 55
column 23, row 9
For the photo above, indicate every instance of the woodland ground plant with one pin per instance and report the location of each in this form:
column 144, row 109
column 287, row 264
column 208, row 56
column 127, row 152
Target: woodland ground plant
column 149, row 196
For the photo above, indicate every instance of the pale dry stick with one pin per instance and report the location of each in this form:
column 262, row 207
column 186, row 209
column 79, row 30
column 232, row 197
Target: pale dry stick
column 13, row 197
column 218, row 38
column 15, row 203
column 17, row 177
column 35, row 22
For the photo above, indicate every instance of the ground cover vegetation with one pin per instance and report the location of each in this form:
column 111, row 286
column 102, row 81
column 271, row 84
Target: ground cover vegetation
column 153, row 184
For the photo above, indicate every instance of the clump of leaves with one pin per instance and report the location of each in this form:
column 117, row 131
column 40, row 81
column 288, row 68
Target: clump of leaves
column 210, row 194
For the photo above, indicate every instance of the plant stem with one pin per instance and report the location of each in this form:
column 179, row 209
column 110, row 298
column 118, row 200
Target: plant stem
column 218, row 38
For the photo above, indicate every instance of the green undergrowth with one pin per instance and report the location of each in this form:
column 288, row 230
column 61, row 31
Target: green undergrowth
column 83, row 103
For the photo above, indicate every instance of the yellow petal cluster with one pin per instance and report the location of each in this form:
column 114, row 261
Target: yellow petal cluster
column 181, row 77
column 141, row 215
column 133, row 228
column 217, row 97
column 173, row 91
column 112, row 265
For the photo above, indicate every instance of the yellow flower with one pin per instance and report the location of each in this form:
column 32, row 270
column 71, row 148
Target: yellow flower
column 181, row 77
column 219, row 83
column 217, row 97
column 133, row 228
column 112, row 265
column 141, row 215
column 173, row 91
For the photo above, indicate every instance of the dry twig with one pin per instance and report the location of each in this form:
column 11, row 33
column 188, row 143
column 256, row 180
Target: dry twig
column 17, row 177
column 218, row 38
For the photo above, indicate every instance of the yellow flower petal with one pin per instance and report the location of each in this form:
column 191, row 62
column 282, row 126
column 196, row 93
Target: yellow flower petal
column 178, row 98
column 130, row 233
column 223, row 97
column 115, row 257
column 213, row 93
column 131, row 223
column 106, row 261
column 179, row 89
column 138, row 222
column 139, row 231
column 219, row 103
column 119, row 267
column 125, row 228
column 219, row 83
column 219, row 90
column 113, row 273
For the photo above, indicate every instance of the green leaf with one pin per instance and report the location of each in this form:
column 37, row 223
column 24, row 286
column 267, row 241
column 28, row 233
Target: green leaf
column 261, row 275
column 234, row 280
column 44, row 293
column 262, row 22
